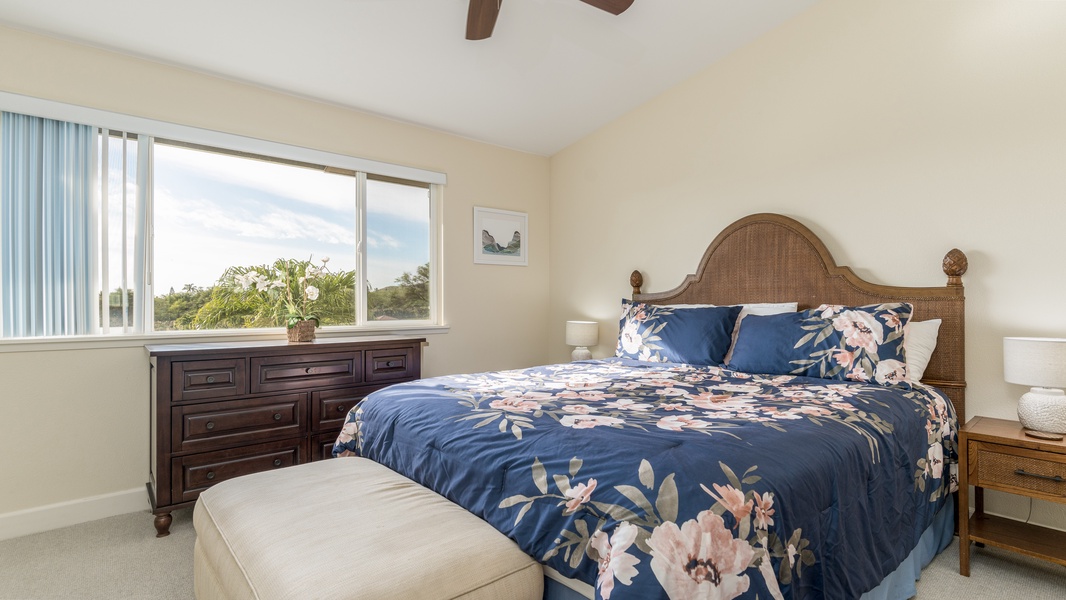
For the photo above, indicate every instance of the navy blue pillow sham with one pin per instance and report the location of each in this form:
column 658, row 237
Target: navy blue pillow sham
column 861, row 343
column 693, row 335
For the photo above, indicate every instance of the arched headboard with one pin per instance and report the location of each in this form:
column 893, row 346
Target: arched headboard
column 773, row 258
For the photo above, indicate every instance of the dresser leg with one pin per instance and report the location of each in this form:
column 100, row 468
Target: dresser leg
column 162, row 524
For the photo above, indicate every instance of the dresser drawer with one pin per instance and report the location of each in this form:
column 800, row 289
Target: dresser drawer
column 1017, row 469
column 330, row 407
column 322, row 445
column 280, row 373
column 392, row 364
column 214, row 425
column 205, row 379
column 195, row 473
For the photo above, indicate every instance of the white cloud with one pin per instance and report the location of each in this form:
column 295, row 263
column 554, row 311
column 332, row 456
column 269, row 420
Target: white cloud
column 275, row 223
column 381, row 240
column 336, row 192
column 396, row 200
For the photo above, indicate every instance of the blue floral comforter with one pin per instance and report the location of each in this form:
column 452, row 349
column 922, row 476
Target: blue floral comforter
column 675, row 481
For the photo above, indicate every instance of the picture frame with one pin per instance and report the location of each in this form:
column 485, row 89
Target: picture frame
column 501, row 237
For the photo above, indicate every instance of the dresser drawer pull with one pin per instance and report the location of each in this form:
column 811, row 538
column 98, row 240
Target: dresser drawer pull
column 277, row 462
column 393, row 363
column 211, row 379
column 340, row 408
column 309, row 370
column 210, row 474
column 210, row 425
column 1056, row 478
column 277, row 416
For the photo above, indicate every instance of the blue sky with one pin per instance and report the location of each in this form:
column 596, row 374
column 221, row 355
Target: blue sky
column 213, row 211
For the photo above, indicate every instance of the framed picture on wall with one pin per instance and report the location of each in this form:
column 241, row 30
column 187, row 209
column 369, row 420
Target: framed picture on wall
column 500, row 237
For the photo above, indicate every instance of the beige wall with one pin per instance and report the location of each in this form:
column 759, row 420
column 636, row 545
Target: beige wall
column 895, row 129
column 74, row 424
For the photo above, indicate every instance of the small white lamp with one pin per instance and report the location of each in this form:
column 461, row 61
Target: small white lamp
column 1040, row 363
column 582, row 334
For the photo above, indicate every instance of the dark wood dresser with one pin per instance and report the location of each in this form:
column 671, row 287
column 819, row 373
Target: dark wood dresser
column 224, row 410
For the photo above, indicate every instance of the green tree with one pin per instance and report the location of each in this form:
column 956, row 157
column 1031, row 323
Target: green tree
column 408, row 299
column 271, row 295
column 177, row 310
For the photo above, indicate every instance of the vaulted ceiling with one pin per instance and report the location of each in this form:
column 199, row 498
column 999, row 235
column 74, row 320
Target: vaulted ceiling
column 552, row 72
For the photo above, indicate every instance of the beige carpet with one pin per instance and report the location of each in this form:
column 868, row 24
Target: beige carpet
column 120, row 557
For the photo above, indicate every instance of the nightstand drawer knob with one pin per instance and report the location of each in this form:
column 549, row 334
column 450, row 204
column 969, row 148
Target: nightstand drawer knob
column 1055, row 478
column 277, row 462
column 277, row 416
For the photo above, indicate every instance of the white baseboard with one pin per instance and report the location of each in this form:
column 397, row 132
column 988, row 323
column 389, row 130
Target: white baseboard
column 72, row 512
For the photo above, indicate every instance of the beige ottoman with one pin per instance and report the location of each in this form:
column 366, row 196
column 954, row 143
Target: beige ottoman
column 349, row 528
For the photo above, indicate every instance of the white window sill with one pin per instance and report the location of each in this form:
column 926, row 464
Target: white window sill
column 198, row 337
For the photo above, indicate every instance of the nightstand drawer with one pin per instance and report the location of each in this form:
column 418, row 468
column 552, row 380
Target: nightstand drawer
column 1011, row 469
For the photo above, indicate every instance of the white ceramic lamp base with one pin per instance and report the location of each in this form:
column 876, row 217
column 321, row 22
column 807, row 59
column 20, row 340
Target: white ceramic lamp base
column 1043, row 409
column 581, row 353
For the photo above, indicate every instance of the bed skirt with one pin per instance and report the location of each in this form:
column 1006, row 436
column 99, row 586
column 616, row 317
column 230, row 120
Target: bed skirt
column 899, row 585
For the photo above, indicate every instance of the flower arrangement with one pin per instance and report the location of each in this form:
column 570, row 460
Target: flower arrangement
column 286, row 287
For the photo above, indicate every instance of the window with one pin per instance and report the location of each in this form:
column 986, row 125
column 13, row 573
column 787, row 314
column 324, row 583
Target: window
column 202, row 228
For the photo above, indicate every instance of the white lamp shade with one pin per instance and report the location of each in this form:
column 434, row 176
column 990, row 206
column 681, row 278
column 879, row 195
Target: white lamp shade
column 1035, row 362
column 582, row 333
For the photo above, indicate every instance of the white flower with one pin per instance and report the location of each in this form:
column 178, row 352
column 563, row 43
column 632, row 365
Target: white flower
column 588, row 421
column 579, row 494
column 324, row 259
column 890, row 371
column 631, row 340
column 700, row 559
column 312, row 293
column 614, row 562
column 935, row 461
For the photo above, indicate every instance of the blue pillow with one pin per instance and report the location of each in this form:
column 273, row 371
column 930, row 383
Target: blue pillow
column 856, row 343
column 693, row 335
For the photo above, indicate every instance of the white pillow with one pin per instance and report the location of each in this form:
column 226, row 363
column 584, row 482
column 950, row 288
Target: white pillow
column 758, row 309
column 919, row 341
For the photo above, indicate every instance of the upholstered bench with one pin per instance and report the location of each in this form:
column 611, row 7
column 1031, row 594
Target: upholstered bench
column 349, row 528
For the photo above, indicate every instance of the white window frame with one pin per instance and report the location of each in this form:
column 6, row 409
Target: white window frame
column 227, row 141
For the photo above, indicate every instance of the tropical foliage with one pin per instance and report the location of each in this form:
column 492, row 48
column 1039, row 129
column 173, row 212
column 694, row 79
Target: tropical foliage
column 228, row 305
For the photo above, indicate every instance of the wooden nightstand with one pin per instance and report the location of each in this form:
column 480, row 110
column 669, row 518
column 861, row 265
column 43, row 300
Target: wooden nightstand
column 995, row 454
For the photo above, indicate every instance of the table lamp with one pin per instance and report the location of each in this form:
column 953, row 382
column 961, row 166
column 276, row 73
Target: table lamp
column 582, row 334
column 1040, row 363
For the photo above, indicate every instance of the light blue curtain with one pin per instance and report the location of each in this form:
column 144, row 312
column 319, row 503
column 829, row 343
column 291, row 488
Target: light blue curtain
column 47, row 227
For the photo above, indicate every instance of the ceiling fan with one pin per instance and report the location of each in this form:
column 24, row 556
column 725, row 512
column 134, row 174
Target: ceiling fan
column 481, row 17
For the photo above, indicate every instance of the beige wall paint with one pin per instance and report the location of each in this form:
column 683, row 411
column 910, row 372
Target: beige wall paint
column 895, row 129
column 74, row 424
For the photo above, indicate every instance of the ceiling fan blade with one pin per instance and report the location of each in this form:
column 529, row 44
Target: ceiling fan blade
column 481, row 18
column 615, row 7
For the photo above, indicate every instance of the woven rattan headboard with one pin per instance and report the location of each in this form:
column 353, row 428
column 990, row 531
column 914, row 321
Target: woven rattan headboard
column 772, row 258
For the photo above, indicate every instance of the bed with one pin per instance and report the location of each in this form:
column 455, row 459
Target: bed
column 817, row 471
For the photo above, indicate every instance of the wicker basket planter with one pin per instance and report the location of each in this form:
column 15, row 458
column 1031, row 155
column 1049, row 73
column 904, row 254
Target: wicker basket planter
column 302, row 331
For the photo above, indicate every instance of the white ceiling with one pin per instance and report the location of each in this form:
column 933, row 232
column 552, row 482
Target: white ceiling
column 553, row 71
